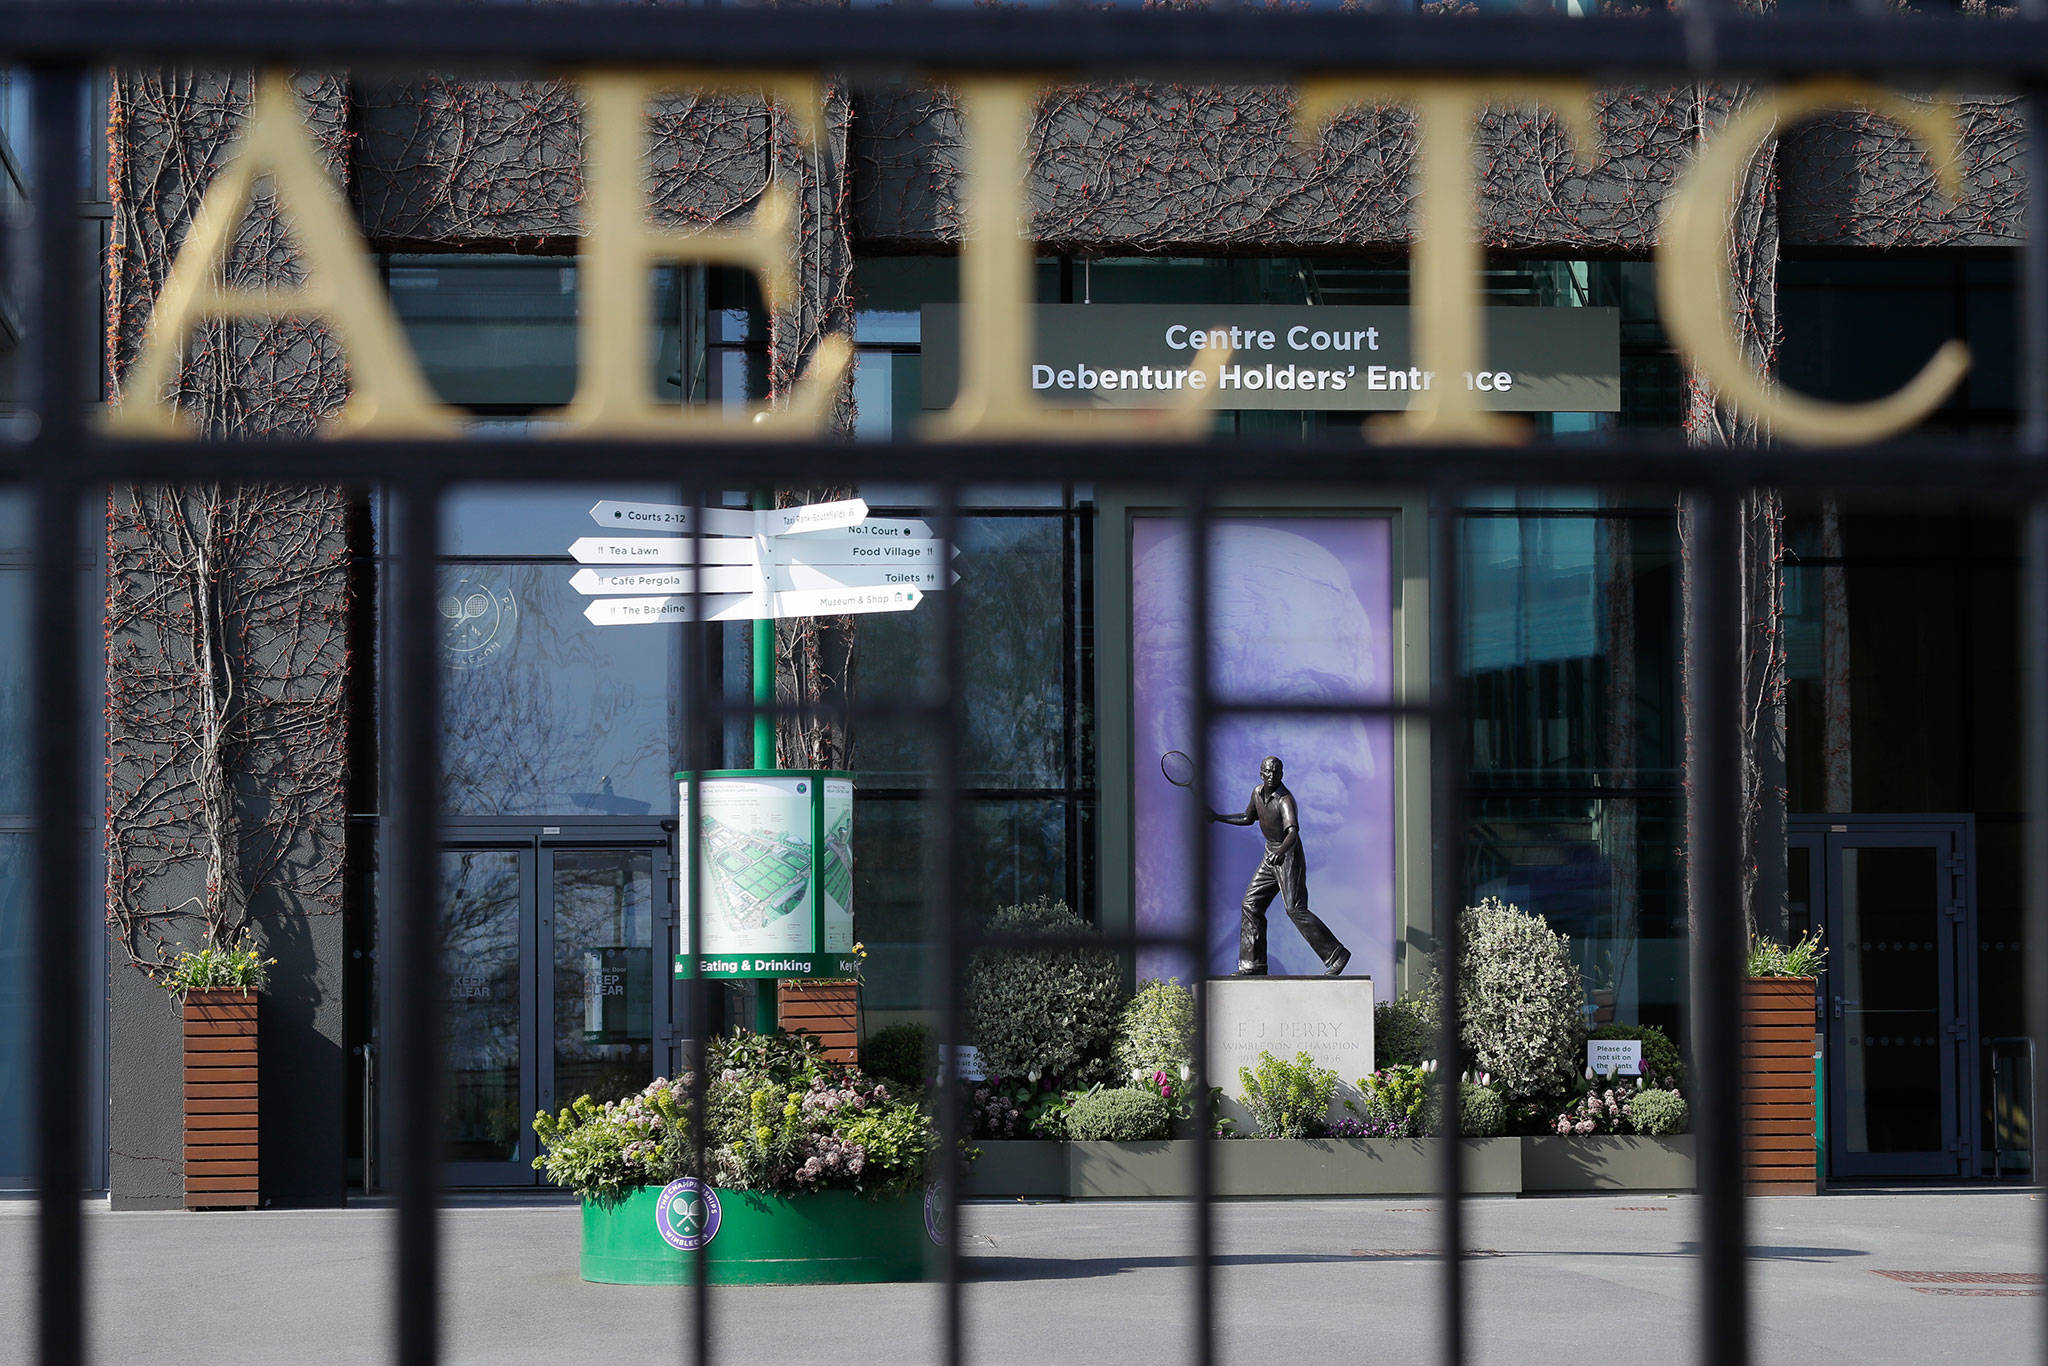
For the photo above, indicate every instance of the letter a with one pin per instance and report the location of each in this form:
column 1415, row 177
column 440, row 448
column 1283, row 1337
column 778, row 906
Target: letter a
column 387, row 394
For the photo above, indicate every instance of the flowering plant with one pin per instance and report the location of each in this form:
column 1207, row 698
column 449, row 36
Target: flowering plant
column 234, row 966
column 778, row 1117
column 1767, row 958
column 1607, row 1104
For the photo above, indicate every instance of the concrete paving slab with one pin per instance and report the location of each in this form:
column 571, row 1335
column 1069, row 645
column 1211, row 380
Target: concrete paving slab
column 1867, row 1277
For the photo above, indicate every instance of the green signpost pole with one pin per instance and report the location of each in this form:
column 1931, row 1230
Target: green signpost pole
column 766, row 1017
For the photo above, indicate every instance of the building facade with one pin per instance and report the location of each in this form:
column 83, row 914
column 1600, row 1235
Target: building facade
column 1884, row 785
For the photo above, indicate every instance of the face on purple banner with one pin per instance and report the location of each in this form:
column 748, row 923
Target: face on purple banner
column 1300, row 611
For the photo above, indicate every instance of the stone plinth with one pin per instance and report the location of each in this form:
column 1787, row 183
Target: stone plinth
column 1328, row 1018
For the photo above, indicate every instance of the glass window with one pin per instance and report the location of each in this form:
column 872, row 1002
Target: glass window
column 542, row 712
column 1571, row 648
column 1606, row 872
column 1013, row 609
column 498, row 333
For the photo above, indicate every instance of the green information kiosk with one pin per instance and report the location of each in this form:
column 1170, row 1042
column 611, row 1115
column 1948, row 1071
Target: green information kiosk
column 773, row 894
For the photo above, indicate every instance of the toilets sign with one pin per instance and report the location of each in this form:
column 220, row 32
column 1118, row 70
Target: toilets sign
column 1537, row 360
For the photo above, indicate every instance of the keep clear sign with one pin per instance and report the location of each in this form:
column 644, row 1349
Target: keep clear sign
column 1293, row 357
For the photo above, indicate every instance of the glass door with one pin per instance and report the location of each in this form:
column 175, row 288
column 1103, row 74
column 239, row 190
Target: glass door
column 600, row 918
column 1897, row 1026
column 491, row 1087
column 551, row 960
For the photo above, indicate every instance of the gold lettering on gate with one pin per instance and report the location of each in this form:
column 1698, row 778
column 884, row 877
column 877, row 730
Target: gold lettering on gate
column 1692, row 266
column 994, row 401
column 1447, row 307
column 390, row 397
column 620, row 249
column 387, row 394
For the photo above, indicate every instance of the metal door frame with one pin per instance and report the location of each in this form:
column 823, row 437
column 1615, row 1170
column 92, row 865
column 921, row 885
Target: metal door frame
column 537, row 840
column 1954, row 838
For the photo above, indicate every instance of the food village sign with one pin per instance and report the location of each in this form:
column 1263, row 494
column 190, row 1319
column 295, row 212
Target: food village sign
column 994, row 399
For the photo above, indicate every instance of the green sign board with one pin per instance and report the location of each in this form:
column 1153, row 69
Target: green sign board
column 773, row 892
column 1293, row 357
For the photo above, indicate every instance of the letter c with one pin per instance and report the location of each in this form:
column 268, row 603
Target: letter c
column 1692, row 266
column 1180, row 345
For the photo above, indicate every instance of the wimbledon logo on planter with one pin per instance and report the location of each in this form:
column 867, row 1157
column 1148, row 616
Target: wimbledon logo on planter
column 934, row 1215
column 687, row 1214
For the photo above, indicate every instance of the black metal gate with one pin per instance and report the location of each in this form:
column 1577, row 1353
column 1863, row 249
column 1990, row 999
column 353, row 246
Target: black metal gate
column 67, row 460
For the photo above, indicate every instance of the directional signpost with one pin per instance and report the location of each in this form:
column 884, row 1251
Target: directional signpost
column 731, row 564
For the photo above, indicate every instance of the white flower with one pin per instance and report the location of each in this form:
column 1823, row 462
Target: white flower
column 1186, row 1072
column 1137, row 1074
column 1589, row 1071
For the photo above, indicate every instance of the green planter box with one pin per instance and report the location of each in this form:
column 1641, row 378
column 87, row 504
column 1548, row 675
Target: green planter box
column 1285, row 1167
column 751, row 1238
column 1612, row 1162
column 1029, row 1167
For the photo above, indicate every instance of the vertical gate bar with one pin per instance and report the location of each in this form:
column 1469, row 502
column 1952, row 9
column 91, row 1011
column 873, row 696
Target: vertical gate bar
column 690, row 664
column 1199, row 516
column 2034, row 683
column 414, row 937
column 59, row 342
column 942, row 909
column 1713, row 898
column 2034, row 598
column 1449, row 769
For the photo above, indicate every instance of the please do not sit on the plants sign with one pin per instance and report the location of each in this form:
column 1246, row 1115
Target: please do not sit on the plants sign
column 1620, row 1057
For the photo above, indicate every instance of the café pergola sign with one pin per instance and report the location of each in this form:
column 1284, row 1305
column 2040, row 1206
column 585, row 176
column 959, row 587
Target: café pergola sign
column 994, row 399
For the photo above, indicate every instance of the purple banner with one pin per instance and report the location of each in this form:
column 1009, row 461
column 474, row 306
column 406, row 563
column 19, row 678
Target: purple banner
column 1300, row 611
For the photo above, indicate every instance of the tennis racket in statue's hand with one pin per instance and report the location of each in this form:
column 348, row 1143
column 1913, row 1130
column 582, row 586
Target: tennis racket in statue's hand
column 1178, row 768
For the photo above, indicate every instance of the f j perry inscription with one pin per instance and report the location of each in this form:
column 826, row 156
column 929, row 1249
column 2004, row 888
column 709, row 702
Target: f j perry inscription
column 1328, row 1018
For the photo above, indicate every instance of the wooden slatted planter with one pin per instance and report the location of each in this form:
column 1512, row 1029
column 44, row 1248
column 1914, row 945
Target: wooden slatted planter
column 829, row 1010
column 220, row 1099
column 1777, row 1084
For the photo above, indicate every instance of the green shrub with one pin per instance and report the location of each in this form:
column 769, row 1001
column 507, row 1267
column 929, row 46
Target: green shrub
column 902, row 1055
column 1123, row 1115
column 1288, row 1099
column 1044, row 1013
column 1404, row 1030
column 1156, row 1032
column 1394, row 1095
column 1658, row 1113
column 1521, row 996
column 1481, row 1111
column 1660, row 1055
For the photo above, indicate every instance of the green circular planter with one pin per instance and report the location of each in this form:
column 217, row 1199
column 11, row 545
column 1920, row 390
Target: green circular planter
column 828, row 1238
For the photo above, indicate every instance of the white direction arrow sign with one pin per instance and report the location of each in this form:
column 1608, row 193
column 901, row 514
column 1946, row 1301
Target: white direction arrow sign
column 928, row 578
column 827, row 548
column 740, row 578
column 661, row 550
column 672, row 518
column 887, row 528
column 720, row 578
column 826, row 602
column 844, row 515
column 833, row 550
column 839, row 516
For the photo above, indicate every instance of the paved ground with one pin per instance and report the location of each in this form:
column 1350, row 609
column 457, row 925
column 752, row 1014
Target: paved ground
column 1574, row 1280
